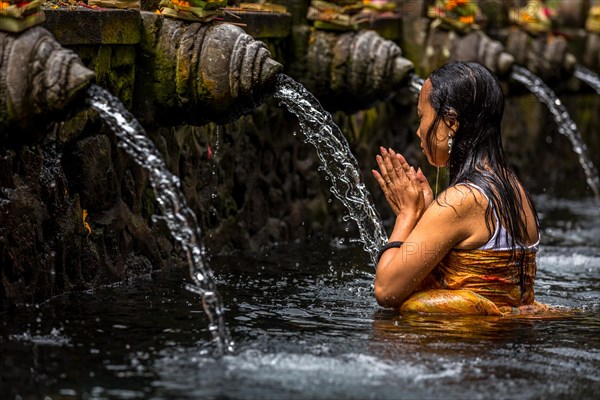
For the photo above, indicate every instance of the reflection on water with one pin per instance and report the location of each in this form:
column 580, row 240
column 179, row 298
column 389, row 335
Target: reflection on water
column 307, row 326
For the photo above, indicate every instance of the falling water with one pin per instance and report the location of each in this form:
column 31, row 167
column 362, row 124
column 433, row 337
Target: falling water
column 587, row 76
column 565, row 125
column 336, row 160
column 415, row 83
column 179, row 217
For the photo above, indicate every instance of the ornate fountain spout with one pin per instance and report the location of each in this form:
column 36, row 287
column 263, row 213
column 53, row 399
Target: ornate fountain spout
column 534, row 45
column 454, row 35
column 351, row 70
column 38, row 78
column 200, row 72
column 547, row 56
column 477, row 46
column 444, row 46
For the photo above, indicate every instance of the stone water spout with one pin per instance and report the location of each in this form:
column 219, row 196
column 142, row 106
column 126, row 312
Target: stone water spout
column 444, row 46
column 477, row 46
column 196, row 72
column 351, row 70
column 38, row 79
column 547, row 56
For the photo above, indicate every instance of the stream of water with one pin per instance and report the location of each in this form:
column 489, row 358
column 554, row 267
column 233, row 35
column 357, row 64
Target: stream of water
column 587, row 76
column 415, row 84
column 565, row 124
column 180, row 219
column 337, row 161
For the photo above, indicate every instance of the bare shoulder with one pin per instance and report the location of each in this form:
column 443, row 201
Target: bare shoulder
column 461, row 199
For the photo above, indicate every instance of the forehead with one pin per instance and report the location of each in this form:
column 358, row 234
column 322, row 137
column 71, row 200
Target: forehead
column 424, row 94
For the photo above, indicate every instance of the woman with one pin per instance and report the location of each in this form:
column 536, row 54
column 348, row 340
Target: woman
column 473, row 248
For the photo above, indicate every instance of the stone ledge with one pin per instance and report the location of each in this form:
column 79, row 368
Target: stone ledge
column 81, row 26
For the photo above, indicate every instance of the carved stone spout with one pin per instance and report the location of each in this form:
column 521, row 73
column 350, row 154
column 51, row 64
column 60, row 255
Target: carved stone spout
column 477, row 46
column 200, row 72
column 38, row 78
column 546, row 56
column 443, row 46
column 352, row 70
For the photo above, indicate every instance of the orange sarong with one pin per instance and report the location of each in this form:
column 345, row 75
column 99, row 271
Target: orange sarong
column 478, row 282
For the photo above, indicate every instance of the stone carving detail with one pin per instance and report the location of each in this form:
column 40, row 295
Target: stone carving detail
column 37, row 77
column 443, row 46
column 352, row 70
column 545, row 56
column 477, row 46
column 212, row 71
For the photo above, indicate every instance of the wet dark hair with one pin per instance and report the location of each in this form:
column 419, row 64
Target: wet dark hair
column 470, row 93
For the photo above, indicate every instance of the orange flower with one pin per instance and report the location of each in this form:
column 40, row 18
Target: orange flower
column 527, row 17
column 467, row 19
column 85, row 223
column 461, row 2
column 450, row 5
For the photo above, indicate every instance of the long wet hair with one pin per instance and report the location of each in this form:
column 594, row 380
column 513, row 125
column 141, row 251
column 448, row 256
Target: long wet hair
column 470, row 93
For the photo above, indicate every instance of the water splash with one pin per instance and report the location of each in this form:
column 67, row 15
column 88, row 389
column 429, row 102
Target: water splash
column 415, row 83
column 566, row 126
column 337, row 161
column 179, row 217
column 587, row 76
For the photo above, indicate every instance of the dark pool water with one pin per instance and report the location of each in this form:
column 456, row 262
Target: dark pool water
column 306, row 326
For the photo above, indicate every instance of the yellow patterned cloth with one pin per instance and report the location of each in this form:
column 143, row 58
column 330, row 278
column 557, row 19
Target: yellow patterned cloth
column 478, row 282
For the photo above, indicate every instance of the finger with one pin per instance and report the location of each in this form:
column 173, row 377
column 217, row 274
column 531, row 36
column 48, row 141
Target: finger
column 388, row 160
column 389, row 168
column 399, row 170
column 423, row 181
column 405, row 164
column 379, row 180
column 382, row 168
column 412, row 175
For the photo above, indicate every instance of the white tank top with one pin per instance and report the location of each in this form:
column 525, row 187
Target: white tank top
column 500, row 240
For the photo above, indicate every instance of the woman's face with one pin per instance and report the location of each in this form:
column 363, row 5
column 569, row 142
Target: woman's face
column 437, row 155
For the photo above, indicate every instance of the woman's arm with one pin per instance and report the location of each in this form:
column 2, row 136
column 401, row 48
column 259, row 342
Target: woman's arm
column 428, row 231
column 426, row 241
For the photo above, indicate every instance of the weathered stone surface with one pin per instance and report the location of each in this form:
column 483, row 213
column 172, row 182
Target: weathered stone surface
column 45, row 246
column 546, row 56
column 352, row 70
column 37, row 78
column 572, row 13
column 82, row 26
column 89, row 164
column 591, row 55
column 213, row 68
column 477, row 46
column 444, row 46
column 262, row 25
column 114, row 66
column 251, row 182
